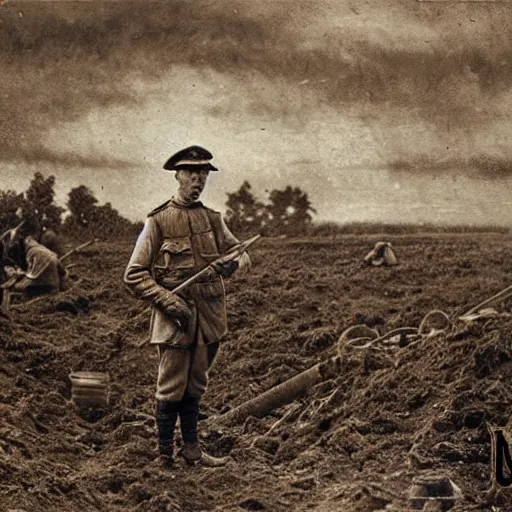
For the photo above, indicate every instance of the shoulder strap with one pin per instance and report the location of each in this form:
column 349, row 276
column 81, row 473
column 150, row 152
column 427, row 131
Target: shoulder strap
column 159, row 208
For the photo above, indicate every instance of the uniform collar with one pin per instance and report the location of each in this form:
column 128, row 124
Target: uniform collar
column 178, row 203
column 30, row 242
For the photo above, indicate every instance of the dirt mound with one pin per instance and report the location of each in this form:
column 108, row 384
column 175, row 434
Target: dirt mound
column 355, row 442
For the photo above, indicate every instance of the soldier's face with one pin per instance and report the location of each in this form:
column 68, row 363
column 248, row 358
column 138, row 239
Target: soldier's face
column 192, row 183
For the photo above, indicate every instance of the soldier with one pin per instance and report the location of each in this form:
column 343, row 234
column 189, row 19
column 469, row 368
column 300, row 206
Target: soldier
column 180, row 238
column 51, row 240
column 34, row 270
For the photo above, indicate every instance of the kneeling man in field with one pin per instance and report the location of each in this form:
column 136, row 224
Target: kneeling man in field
column 179, row 239
column 31, row 269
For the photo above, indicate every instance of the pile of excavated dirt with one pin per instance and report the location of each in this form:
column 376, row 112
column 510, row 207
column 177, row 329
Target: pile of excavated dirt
column 355, row 442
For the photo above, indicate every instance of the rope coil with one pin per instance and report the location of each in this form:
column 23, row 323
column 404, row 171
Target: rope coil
column 372, row 337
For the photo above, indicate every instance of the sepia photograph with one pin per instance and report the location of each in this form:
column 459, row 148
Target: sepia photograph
column 256, row 255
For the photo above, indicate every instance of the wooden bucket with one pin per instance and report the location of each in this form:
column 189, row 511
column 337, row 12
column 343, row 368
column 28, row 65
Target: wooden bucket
column 433, row 488
column 89, row 388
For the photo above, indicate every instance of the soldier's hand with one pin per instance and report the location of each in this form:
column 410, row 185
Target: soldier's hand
column 22, row 285
column 177, row 309
column 12, row 276
column 182, row 315
column 225, row 268
column 182, row 322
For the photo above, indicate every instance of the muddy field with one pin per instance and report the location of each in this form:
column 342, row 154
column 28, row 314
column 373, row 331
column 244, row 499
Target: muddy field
column 355, row 442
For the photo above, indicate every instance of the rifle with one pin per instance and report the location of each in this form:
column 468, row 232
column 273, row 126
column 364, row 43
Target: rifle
column 78, row 248
column 232, row 254
column 12, row 232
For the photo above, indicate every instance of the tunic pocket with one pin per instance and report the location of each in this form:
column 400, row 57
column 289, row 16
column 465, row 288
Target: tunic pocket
column 210, row 291
column 207, row 246
column 176, row 253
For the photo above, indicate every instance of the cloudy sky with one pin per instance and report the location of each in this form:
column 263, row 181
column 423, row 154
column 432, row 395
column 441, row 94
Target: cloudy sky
column 389, row 110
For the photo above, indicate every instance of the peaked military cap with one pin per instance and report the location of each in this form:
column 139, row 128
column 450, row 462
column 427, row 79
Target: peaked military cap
column 193, row 158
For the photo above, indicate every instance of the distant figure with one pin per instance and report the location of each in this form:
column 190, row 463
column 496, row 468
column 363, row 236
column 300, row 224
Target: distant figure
column 381, row 254
column 52, row 241
column 33, row 269
column 180, row 238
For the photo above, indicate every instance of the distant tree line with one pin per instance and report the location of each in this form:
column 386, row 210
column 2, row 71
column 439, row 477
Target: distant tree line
column 103, row 221
column 286, row 212
column 289, row 212
column 83, row 218
column 333, row 229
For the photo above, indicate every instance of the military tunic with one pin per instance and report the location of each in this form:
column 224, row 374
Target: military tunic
column 178, row 241
column 45, row 274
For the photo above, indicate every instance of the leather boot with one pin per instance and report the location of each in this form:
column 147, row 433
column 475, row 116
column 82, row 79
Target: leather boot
column 166, row 417
column 193, row 454
column 191, row 449
column 189, row 417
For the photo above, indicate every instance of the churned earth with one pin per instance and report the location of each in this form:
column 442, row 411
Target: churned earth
column 354, row 442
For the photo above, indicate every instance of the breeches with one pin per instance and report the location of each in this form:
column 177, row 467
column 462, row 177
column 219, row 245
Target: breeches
column 181, row 371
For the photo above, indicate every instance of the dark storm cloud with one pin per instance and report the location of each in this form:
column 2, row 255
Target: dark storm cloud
column 61, row 60
column 42, row 155
column 481, row 166
column 64, row 58
column 421, row 164
column 490, row 167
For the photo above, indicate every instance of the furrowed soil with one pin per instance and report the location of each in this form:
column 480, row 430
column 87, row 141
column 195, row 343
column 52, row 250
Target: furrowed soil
column 354, row 442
